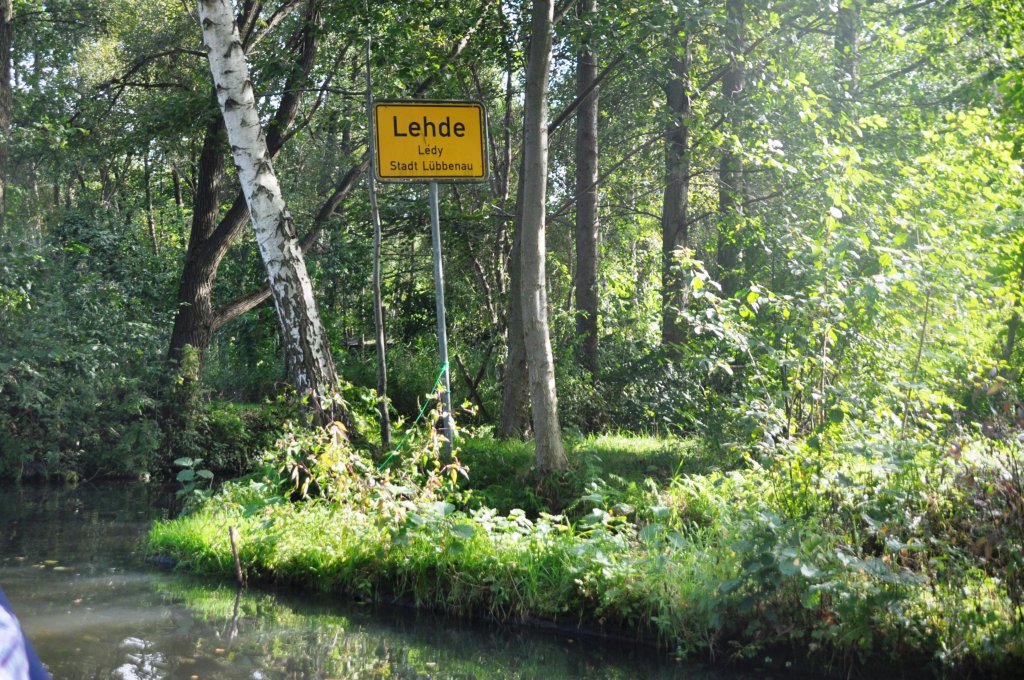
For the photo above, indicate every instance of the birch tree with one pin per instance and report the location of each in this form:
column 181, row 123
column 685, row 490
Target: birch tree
column 307, row 354
column 212, row 232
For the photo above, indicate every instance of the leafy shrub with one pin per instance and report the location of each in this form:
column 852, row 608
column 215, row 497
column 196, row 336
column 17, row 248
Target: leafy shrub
column 77, row 398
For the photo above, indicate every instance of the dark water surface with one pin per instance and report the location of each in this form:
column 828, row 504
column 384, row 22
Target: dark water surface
column 70, row 562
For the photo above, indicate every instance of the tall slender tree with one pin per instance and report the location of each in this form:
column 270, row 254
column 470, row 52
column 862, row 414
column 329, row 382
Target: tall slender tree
column 847, row 46
column 210, row 238
column 533, row 256
column 307, row 354
column 730, row 167
column 587, row 222
column 193, row 323
column 378, row 302
column 6, row 39
column 675, row 226
column 515, row 397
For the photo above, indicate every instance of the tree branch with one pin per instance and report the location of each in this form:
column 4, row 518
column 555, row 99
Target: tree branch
column 580, row 98
column 239, row 306
column 279, row 15
column 453, row 54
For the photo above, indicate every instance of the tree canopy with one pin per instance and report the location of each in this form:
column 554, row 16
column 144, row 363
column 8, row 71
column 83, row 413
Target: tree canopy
column 805, row 215
column 772, row 251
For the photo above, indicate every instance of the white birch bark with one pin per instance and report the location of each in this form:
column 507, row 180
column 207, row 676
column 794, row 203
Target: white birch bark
column 307, row 354
column 546, row 429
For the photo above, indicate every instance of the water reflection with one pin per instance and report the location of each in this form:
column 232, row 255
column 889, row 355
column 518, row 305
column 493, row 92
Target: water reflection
column 142, row 662
column 70, row 562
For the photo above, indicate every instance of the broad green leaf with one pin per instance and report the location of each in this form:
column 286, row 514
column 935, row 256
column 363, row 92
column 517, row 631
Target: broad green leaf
column 463, row 530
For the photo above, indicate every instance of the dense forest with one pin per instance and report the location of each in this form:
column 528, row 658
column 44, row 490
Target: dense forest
column 787, row 234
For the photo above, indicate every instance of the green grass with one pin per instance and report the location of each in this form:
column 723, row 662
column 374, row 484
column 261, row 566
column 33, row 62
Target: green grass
column 826, row 556
column 501, row 473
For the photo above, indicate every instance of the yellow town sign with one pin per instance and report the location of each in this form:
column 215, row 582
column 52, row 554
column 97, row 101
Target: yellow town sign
column 430, row 141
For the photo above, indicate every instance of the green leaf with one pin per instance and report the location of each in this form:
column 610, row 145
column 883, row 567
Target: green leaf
column 789, row 567
column 652, row 533
column 660, row 511
column 186, row 476
column 809, row 570
column 466, row 531
column 442, row 508
column 729, row 586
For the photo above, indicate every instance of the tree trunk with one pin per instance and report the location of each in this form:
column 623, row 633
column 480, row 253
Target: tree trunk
column 730, row 169
column 6, row 41
column 307, row 355
column 533, row 256
column 176, row 181
column 193, row 324
column 515, row 396
column 209, row 240
column 586, row 200
column 147, row 168
column 675, row 227
column 378, row 302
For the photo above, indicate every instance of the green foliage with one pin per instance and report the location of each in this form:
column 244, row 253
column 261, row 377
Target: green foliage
column 851, row 560
column 82, row 384
column 227, row 436
column 856, row 494
column 76, row 396
column 196, row 482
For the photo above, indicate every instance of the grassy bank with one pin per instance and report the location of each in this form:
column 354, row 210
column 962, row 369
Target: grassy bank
column 845, row 559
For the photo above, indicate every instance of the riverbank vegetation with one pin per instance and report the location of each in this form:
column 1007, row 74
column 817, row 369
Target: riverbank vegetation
column 757, row 268
column 824, row 555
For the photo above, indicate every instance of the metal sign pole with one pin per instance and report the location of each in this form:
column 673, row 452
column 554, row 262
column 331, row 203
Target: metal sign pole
column 442, row 333
column 432, row 141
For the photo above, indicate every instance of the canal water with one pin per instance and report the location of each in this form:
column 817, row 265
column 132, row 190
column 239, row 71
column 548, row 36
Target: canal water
column 70, row 561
